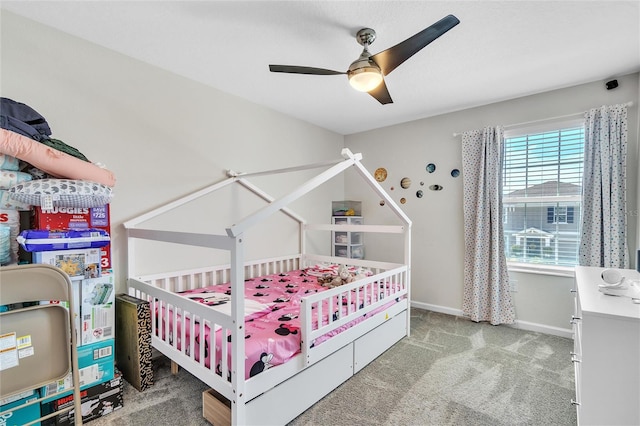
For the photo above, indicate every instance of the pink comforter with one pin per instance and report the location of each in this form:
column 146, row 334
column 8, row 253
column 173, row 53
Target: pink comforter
column 272, row 324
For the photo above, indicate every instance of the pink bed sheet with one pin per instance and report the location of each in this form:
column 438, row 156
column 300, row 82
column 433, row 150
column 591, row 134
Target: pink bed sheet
column 272, row 323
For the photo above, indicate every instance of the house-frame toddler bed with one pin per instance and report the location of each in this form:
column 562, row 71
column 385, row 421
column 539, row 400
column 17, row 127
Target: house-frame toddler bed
column 340, row 330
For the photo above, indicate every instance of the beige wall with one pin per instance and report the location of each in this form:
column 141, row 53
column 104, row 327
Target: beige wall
column 438, row 238
column 163, row 136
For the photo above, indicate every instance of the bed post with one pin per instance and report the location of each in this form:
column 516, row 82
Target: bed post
column 131, row 266
column 398, row 212
column 407, row 261
column 238, row 414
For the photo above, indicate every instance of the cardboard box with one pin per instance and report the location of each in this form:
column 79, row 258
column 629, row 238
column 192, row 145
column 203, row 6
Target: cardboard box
column 93, row 309
column 64, row 218
column 20, row 416
column 216, row 408
column 96, row 300
column 97, row 364
column 133, row 341
column 78, row 264
column 65, row 304
column 97, row 401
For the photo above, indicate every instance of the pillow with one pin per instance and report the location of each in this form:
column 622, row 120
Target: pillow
column 49, row 193
column 52, row 161
column 9, row 178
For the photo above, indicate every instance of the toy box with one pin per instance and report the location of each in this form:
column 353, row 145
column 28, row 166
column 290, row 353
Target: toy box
column 20, row 416
column 96, row 297
column 78, row 264
column 97, row 401
column 65, row 218
column 96, row 362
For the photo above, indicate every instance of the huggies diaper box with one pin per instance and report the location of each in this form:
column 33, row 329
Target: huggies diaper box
column 67, row 218
column 96, row 401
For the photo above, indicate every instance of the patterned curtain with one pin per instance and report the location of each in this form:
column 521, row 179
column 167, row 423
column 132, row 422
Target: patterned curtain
column 486, row 280
column 604, row 204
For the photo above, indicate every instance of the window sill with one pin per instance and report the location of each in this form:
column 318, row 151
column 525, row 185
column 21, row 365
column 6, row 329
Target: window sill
column 529, row 268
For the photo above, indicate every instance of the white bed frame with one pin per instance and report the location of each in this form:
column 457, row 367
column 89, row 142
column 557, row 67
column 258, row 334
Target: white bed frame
column 296, row 385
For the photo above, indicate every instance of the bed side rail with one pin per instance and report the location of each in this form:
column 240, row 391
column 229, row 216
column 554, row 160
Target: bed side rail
column 371, row 297
column 375, row 266
column 169, row 334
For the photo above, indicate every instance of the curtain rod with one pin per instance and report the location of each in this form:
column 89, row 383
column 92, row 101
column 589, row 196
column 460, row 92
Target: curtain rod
column 628, row 104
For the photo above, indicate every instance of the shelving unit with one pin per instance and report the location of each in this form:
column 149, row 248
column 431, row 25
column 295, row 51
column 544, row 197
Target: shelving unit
column 347, row 243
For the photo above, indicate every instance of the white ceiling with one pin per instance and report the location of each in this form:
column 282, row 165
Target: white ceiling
column 500, row 50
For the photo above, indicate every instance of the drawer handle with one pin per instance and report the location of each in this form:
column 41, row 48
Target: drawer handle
column 573, row 290
column 574, row 358
column 574, row 402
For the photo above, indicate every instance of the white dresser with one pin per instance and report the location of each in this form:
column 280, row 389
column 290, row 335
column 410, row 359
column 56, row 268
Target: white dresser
column 606, row 353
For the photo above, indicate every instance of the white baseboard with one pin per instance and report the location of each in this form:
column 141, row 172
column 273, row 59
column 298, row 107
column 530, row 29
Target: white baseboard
column 437, row 308
column 523, row 325
column 542, row 328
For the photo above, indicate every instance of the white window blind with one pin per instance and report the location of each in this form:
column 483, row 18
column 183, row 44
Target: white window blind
column 542, row 186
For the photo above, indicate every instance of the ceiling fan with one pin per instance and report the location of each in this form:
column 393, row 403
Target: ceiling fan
column 366, row 73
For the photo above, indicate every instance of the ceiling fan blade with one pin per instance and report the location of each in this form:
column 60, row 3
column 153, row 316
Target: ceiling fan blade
column 302, row 70
column 390, row 59
column 381, row 94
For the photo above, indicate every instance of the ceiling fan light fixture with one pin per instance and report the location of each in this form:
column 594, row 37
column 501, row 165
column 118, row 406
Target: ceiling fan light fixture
column 365, row 79
column 365, row 73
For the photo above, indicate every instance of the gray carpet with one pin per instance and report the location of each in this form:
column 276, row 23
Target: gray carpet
column 451, row 371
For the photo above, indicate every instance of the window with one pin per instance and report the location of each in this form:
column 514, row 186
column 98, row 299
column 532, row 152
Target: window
column 542, row 185
column 559, row 214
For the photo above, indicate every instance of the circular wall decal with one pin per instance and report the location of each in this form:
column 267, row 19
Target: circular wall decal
column 419, row 193
column 431, row 167
column 436, row 187
column 403, row 200
column 405, row 182
column 382, row 202
column 421, row 183
column 455, row 173
column 380, row 174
